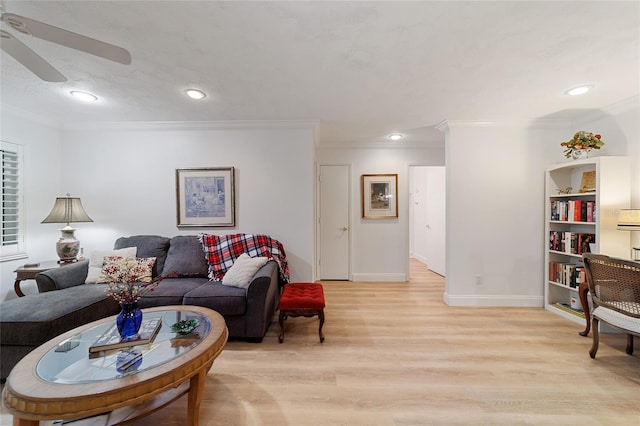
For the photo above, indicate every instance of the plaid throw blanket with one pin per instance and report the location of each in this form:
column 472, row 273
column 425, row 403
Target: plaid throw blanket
column 222, row 251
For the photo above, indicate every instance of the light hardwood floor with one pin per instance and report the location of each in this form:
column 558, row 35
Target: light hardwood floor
column 395, row 354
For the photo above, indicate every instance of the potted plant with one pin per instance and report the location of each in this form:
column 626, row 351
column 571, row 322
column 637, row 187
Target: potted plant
column 582, row 144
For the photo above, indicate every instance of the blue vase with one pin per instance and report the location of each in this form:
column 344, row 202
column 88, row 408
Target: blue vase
column 129, row 320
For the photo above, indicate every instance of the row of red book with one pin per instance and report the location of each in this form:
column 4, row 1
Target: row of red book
column 573, row 210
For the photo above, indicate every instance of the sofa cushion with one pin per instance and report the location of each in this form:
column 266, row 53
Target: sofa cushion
column 114, row 270
column 243, row 270
column 227, row 301
column 148, row 246
column 117, row 269
column 36, row 318
column 96, row 261
column 185, row 258
column 170, row 291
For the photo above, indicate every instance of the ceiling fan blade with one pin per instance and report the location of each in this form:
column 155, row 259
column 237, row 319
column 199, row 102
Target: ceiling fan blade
column 67, row 38
column 30, row 59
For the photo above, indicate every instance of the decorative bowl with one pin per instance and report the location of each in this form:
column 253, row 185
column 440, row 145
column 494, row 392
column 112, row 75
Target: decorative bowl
column 185, row 327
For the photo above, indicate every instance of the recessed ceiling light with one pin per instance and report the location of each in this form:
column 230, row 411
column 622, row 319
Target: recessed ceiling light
column 195, row 93
column 395, row 136
column 580, row 90
column 84, row 96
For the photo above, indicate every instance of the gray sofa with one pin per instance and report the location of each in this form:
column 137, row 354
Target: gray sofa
column 64, row 300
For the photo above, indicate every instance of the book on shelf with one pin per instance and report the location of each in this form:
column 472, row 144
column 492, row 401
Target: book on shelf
column 571, row 242
column 111, row 339
column 588, row 183
column 567, row 308
column 573, row 210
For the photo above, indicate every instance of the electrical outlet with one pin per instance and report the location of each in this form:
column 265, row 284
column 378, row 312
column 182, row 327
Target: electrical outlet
column 478, row 279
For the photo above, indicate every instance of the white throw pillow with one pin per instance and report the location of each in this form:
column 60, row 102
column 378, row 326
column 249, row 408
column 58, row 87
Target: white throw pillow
column 97, row 259
column 243, row 269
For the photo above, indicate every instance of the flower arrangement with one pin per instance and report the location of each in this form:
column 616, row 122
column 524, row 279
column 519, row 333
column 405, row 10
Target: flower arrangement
column 582, row 140
column 130, row 291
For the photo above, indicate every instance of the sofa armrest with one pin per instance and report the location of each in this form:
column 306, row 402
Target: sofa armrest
column 59, row 278
column 262, row 300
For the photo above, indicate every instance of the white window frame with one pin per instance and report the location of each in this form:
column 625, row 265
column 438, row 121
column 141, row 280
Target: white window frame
column 16, row 250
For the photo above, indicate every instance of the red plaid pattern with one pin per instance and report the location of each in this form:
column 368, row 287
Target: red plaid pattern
column 222, row 251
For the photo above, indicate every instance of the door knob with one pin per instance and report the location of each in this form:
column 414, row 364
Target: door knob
column 344, row 228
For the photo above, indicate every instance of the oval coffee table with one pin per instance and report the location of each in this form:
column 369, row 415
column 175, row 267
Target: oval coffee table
column 59, row 380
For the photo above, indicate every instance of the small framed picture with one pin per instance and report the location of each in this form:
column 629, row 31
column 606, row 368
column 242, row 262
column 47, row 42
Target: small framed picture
column 206, row 197
column 380, row 196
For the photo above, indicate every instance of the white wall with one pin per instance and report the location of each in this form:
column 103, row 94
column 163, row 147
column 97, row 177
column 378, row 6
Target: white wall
column 380, row 248
column 42, row 151
column 495, row 208
column 125, row 176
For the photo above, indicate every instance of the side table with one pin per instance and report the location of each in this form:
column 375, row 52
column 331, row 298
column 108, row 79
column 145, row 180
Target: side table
column 30, row 272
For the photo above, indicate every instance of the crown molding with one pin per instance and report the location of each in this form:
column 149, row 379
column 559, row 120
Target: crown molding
column 421, row 144
column 617, row 108
column 530, row 123
column 195, row 125
column 27, row 115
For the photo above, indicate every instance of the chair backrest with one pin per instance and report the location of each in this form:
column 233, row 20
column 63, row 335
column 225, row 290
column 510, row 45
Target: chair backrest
column 613, row 283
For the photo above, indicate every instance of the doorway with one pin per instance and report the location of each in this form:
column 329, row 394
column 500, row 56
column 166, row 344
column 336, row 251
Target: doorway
column 334, row 262
column 427, row 216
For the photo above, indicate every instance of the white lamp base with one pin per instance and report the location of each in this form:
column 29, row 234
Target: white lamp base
column 67, row 246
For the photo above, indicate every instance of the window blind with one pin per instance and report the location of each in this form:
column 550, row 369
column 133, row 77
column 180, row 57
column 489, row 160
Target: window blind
column 11, row 240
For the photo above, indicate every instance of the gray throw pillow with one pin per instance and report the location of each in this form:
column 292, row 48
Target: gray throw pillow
column 186, row 258
column 148, row 246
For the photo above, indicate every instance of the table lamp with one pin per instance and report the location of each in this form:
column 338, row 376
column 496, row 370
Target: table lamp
column 66, row 210
column 629, row 220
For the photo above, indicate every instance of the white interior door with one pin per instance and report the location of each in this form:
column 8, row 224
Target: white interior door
column 334, row 262
column 436, row 217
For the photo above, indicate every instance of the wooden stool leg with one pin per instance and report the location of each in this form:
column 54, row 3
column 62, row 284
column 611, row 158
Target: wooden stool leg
column 596, row 337
column 321, row 316
column 281, row 318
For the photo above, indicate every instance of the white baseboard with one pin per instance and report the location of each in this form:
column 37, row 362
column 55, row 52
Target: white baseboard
column 494, row 300
column 380, row 277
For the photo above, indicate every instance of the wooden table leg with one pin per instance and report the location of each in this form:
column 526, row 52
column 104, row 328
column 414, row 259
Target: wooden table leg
column 281, row 318
column 24, row 422
column 17, row 289
column 321, row 317
column 196, row 387
column 583, row 289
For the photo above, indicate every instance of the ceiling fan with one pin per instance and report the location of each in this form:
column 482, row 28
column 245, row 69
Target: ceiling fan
column 34, row 62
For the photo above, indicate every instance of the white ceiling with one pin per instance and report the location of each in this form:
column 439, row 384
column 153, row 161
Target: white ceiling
column 362, row 69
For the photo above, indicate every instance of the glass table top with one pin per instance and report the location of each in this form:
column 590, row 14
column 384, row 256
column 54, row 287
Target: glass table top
column 69, row 362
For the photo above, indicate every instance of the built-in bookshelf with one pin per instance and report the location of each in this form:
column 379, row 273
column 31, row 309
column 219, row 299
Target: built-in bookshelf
column 582, row 200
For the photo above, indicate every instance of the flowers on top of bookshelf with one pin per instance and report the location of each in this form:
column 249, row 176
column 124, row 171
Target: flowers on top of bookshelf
column 582, row 140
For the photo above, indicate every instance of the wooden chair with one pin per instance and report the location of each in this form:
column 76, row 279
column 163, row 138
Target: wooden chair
column 614, row 285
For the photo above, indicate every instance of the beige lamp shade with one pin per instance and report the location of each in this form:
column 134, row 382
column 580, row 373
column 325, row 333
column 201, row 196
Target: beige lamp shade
column 66, row 210
column 629, row 220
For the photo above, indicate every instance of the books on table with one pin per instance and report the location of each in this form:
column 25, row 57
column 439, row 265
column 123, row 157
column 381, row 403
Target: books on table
column 111, row 339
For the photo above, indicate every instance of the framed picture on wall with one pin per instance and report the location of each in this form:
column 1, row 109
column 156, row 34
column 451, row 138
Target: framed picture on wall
column 380, row 196
column 206, row 197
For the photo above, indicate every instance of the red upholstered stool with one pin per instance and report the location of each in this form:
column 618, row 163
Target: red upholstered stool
column 301, row 300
